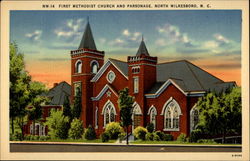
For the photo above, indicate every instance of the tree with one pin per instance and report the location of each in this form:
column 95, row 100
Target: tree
column 125, row 103
column 114, row 129
column 76, row 129
column 57, row 124
column 35, row 109
column 220, row 114
column 19, row 88
column 66, row 107
column 77, row 107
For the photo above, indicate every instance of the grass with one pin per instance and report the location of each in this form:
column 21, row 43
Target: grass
column 175, row 142
column 72, row 140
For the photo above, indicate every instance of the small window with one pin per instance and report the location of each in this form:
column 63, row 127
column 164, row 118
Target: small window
column 110, row 76
column 77, row 88
column 136, row 84
column 78, row 66
column 135, row 69
column 94, row 66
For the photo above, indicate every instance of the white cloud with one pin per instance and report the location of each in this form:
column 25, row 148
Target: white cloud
column 210, row 44
column 126, row 32
column 171, row 35
column 72, row 28
column 220, row 38
column 34, row 36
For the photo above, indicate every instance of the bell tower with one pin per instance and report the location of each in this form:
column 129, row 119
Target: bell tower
column 142, row 76
column 85, row 62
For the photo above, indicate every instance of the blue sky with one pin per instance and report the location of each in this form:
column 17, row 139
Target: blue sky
column 196, row 35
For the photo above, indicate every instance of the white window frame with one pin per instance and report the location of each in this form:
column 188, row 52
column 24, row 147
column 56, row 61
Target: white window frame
column 152, row 110
column 96, row 117
column 171, row 105
column 136, row 110
column 136, row 84
column 192, row 126
column 108, row 106
column 107, row 76
column 92, row 63
column 78, row 68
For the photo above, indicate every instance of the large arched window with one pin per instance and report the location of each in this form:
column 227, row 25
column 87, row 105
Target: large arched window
column 136, row 115
column 152, row 115
column 109, row 113
column 94, row 66
column 194, row 118
column 171, row 111
column 78, row 66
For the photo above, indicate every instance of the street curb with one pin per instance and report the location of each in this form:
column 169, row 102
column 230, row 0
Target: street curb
column 115, row 144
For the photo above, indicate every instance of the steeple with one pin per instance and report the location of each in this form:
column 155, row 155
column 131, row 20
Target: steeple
column 87, row 39
column 142, row 49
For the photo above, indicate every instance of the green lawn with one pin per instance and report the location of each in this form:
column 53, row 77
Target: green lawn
column 176, row 142
column 72, row 140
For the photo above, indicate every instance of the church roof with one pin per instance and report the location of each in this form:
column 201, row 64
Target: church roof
column 58, row 93
column 188, row 77
column 87, row 39
column 142, row 49
column 123, row 66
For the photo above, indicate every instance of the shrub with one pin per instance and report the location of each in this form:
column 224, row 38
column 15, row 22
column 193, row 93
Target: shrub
column 36, row 137
column 90, row 133
column 113, row 129
column 11, row 137
column 17, row 136
column 167, row 137
column 105, row 137
column 150, row 136
column 76, row 129
column 43, row 138
column 58, row 124
column 122, row 135
column 182, row 138
column 140, row 132
column 160, row 134
column 27, row 137
column 150, row 127
column 209, row 141
column 156, row 137
column 195, row 135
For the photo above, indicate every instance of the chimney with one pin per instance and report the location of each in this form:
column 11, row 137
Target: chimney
column 55, row 84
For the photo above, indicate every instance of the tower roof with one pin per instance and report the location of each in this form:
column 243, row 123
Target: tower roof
column 87, row 39
column 142, row 49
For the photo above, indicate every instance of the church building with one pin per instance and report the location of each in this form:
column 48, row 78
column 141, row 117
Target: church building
column 165, row 93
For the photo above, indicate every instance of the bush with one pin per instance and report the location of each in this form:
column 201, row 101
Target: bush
column 209, row 141
column 76, row 129
column 122, row 135
column 90, row 133
column 105, row 137
column 167, row 137
column 195, row 135
column 113, row 129
column 156, row 137
column 150, row 127
column 36, row 137
column 160, row 134
column 43, row 138
column 58, row 124
column 17, row 136
column 140, row 132
column 182, row 138
column 27, row 137
column 150, row 136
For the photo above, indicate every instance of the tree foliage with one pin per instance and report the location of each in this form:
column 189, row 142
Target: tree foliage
column 77, row 107
column 125, row 103
column 66, row 107
column 114, row 129
column 220, row 114
column 76, row 129
column 58, row 124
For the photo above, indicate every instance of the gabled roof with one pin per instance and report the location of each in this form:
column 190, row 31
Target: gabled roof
column 58, row 93
column 121, row 66
column 142, row 49
column 87, row 39
column 188, row 77
column 103, row 91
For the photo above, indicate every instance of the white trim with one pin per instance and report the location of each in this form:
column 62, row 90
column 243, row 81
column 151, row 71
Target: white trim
column 102, row 92
column 171, row 99
column 76, row 67
column 78, row 52
column 135, row 104
column 91, row 66
column 152, row 108
column 96, row 117
column 136, row 90
column 106, row 105
column 107, row 76
column 142, row 64
column 86, row 56
column 103, row 69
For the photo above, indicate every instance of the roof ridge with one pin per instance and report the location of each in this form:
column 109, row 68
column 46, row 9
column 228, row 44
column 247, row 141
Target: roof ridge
column 117, row 60
column 195, row 76
column 172, row 62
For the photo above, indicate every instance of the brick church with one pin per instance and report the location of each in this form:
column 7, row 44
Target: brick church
column 165, row 93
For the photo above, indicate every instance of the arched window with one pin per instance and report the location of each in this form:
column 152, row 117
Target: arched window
column 136, row 115
column 94, row 66
column 171, row 111
column 109, row 113
column 152, row 115
column 194, row 118
column 78, row 66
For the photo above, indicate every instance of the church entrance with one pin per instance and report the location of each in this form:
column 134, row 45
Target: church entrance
column 137, row 116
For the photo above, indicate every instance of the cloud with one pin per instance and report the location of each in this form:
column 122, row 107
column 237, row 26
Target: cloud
column 72, row 29
column 223, row 66
column 126, row 39
column 54, row 59
column 221, row 39
column 171, row 34
column 34, row 36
